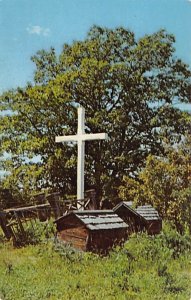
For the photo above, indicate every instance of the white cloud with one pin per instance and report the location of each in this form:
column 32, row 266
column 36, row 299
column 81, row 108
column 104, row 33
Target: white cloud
column 38, row 30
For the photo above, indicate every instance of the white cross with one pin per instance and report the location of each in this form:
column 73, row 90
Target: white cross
column 81, row 137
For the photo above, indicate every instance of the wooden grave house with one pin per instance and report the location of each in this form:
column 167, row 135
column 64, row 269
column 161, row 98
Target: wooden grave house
column 141, row 218
column 92, row 230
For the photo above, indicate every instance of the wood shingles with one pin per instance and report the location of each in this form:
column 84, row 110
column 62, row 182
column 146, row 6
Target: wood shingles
column 95, row 230
column 139, row 218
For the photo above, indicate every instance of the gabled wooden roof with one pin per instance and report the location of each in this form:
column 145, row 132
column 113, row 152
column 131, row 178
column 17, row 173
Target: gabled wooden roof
column 147, row 212
column 97, row 219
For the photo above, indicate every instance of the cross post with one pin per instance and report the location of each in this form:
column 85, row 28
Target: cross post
column 81, row 137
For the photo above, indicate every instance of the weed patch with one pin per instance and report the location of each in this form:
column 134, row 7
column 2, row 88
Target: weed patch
column 146, row 268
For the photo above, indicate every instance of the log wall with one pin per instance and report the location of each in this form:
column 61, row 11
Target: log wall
column 76, row 237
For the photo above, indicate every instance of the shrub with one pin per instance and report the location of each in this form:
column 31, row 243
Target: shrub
column 36, row 232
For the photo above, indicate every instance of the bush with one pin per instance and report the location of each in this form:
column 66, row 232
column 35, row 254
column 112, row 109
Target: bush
column 145, row 268
column 36, row 232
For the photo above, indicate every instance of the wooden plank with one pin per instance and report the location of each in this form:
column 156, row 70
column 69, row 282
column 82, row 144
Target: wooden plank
column 72, row 237
column 4, row 225
column 75, row 242
column 27, row 208
column 20, row 224
column 68, row 221
column 76, row 231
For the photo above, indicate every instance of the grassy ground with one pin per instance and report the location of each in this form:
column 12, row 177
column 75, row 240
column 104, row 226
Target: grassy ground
column 145, row 268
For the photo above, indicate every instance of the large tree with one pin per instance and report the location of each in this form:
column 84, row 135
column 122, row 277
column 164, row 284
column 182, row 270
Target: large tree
column 127, row 87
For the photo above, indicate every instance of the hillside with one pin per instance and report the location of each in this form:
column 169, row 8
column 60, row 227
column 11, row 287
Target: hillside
column 145, row 268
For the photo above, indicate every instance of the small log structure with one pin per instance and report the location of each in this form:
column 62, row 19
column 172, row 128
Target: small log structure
column 92, row 230
column 141, row 218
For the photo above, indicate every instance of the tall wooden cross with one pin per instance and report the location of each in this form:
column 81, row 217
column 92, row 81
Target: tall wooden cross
column 81, row 137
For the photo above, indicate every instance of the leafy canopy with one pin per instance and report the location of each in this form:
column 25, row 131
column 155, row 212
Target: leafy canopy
column 164, row 183
column 127, row 87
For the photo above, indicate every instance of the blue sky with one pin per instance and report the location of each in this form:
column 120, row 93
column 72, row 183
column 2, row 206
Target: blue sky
column 27, row 26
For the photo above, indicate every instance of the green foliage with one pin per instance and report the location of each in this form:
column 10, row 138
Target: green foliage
column 35, row 232
column 164, row 183
column 144, row 269
column 127, row 86
column 2, row 238
column 6, row 198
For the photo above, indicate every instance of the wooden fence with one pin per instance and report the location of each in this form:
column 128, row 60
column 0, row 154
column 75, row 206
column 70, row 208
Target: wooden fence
column 13, row 221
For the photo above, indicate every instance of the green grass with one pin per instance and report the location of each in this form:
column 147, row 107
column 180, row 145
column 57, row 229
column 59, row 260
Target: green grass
column 145, row 268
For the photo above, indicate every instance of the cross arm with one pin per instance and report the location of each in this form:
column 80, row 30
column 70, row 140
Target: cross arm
column 94, row 136
column 66, row 138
